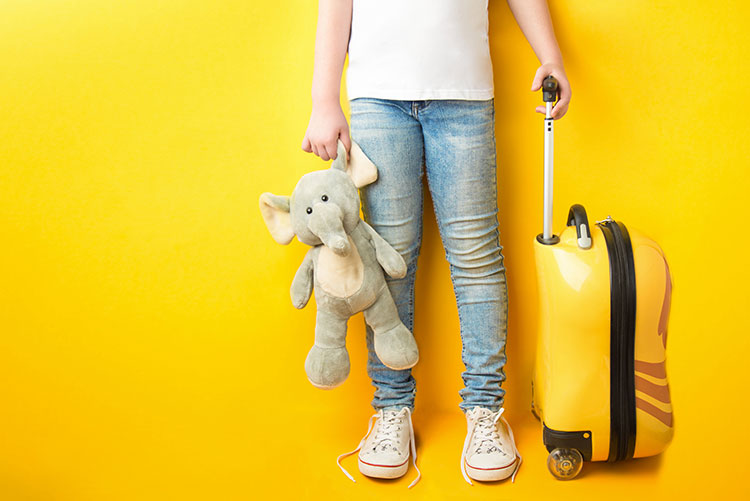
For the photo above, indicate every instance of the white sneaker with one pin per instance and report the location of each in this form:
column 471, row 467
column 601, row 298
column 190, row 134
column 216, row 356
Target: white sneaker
column 384, row 450
column 489, row 450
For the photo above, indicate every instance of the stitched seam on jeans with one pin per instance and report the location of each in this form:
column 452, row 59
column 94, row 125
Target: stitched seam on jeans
column 419, row 250
column 501, row 371
column 392, row 103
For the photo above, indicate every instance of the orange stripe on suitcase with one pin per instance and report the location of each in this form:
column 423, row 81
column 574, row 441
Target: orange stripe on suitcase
column 664, row 417
column 657, row 391
column 656, row 370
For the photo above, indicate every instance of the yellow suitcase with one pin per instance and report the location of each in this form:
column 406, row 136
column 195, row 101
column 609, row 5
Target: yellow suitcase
column 600, row 386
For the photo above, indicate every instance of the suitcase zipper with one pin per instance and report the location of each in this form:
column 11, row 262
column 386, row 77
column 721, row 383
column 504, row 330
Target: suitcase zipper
column 622, row 340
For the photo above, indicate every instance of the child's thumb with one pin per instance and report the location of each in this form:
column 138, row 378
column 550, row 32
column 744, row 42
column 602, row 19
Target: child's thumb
column 344, row 136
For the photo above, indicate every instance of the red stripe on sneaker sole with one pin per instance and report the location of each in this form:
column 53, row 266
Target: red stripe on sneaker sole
column 385, row 465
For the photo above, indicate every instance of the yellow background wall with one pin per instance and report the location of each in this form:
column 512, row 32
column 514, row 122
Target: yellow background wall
column 148, row 346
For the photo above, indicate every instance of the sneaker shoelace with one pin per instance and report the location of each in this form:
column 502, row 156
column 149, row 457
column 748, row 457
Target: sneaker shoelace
column 483, row 437
column 386, row 437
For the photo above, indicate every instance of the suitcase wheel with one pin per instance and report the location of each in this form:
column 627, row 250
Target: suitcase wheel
column 565, row 464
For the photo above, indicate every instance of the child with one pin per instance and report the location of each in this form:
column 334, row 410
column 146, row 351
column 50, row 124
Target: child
column 422, row 102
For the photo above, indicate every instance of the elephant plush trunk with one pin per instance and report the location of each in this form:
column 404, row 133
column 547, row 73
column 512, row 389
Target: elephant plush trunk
column 327, row 222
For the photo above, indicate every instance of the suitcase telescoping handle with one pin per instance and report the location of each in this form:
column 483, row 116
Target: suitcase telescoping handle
column 577, row 215
column 549, row 95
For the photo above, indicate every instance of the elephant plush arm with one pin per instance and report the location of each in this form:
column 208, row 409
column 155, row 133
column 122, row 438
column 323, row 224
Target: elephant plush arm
column 302, row 285
column 391, row 261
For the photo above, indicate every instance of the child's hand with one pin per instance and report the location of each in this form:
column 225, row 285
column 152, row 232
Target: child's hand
column 563, row 88
column 327, row 125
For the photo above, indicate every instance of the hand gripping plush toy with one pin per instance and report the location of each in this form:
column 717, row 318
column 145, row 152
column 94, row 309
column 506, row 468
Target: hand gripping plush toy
column 344, row 266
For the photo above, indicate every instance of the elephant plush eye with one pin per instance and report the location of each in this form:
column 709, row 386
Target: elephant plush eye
column 309, row 210
column 324, row 198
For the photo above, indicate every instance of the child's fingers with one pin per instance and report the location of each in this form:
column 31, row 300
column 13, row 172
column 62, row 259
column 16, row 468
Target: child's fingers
column 306, row 146
column 330, row 148
column 541, row 109
column 559, row 110
column 562, row 105
column 323, row 153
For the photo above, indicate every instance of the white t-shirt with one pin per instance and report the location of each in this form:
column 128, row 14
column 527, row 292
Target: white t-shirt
column 419, row 49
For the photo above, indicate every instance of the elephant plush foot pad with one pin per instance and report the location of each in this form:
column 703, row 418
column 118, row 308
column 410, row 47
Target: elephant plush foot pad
column 327, row 368
column 396, row 348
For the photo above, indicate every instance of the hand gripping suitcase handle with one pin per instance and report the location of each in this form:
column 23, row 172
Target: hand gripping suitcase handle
column 577, row 216
column 549, row 89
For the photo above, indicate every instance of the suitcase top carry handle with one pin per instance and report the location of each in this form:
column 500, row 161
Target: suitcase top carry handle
column 577, row 217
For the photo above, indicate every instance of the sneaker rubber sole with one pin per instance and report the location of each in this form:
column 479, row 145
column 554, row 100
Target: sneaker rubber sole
column 383, row 471
column 491, row 474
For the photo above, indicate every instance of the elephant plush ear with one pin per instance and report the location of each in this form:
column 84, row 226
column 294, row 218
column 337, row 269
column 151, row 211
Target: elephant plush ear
column 275, row 212
column 360, row 169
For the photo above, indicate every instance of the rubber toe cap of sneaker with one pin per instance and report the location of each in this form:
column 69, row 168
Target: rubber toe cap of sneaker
column 491, row 461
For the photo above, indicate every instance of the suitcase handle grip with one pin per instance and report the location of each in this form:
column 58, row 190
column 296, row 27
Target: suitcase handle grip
column 549, row 89
column 577, row 217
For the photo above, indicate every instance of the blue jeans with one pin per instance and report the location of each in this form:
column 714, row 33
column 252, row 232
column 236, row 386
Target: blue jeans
column 454, row 143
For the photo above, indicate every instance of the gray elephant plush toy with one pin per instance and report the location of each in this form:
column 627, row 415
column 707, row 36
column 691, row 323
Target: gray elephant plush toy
column 345, row 266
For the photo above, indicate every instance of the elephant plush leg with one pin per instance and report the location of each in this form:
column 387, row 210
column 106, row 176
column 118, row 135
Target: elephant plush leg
column 394, row 343
column 327, row 364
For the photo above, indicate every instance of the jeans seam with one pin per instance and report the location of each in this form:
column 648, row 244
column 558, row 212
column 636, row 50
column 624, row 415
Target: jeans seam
column 419, row 251
column 377, row 101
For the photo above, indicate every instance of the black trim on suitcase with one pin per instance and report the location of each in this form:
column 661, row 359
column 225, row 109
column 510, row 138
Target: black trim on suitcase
column 581, row 440
column 622, row 341
column 554, row 239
